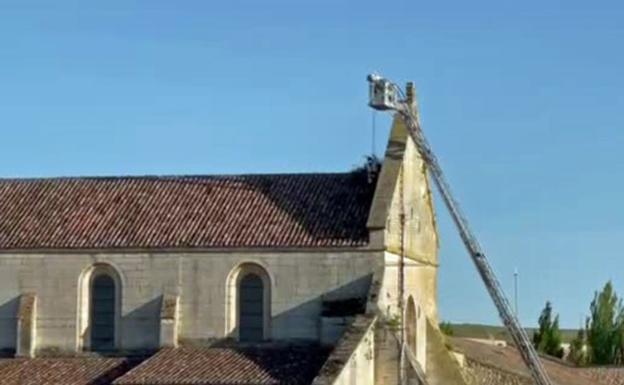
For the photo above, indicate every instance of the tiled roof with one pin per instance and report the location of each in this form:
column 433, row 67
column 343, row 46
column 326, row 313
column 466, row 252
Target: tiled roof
column 66, row 371
column 228, row 366
column 490, row 364
column 607, row 375
column 289, row 210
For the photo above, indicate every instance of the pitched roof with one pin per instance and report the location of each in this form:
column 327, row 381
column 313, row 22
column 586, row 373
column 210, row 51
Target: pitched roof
column 66, row 371
column 288, row 210
column 228, row 366
column 490, row 364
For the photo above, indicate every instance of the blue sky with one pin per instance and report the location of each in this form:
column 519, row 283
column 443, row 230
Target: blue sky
column 522, row 101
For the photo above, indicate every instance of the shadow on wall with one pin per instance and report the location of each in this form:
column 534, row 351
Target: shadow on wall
column 302, row 323
column 141, row 327
column 139, row 331
column 8, row 326
column 294, row 354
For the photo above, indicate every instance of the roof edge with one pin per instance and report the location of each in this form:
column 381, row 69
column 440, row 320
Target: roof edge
column 345, row 349
column 191, row 250
column 387, row 180
column 171, row 176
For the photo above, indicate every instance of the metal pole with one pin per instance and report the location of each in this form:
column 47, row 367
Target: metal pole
column 373, row 133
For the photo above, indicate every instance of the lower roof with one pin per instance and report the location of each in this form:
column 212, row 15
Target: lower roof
column 255, row 211
column 508, row 360
column 233, row 365
column 292, row 365
column 66, row 371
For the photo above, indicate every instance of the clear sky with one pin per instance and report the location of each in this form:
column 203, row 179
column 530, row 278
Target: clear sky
column 522, row 101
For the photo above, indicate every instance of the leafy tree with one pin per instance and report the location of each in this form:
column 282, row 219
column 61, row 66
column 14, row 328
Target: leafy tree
column 553, row 345
column 604, row 327
column 547, row 339
column 619, row 339
column 447, row 328
column 578, row 349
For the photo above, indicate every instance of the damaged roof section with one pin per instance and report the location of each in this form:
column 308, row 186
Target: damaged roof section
column 282, row 210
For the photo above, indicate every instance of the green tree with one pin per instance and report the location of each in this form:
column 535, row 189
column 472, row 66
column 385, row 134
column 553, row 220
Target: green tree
column 578, row 349
column 605, row 327
column 447, row 328
column 547, row 339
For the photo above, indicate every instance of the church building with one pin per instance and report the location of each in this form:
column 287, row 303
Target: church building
column 311, row 278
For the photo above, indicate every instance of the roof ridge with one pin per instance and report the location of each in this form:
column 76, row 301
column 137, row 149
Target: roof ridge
column 171, row 176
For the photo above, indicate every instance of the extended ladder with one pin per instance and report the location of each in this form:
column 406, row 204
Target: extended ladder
column 385, row 95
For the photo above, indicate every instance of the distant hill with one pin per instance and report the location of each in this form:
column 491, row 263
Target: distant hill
column 466, row 330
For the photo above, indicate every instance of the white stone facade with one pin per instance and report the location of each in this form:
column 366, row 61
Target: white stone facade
column 299, row 282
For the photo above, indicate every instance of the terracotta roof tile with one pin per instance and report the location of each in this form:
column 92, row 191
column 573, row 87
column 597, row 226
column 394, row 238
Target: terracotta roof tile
column 228, row 366
column 290, row 210
column 66, row 371
column 507, row 360
column 607, row 375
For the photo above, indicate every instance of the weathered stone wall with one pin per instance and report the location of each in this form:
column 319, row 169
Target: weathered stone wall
column 299, row 280
column 420, row 238
column 444, row 368
column 403, row 192
column 387, row 302
column 418, row 281
column 352, row 362
column 360, row 368
column 403, row 209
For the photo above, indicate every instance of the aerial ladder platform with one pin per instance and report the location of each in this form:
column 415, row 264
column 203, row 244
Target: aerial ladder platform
column 384, row 95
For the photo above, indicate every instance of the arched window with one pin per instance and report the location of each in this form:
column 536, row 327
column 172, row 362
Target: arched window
column 249, row 303
column 251, row 309
column 411, row 325
column 102, row 317
column 99, row 309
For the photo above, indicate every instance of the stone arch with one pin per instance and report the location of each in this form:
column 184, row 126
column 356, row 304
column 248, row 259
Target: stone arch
column 248, row 303
column 411, row 325
column 99, row 308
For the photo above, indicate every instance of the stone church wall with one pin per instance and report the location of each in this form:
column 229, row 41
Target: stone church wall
column 403, row 211
column 300, row 281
